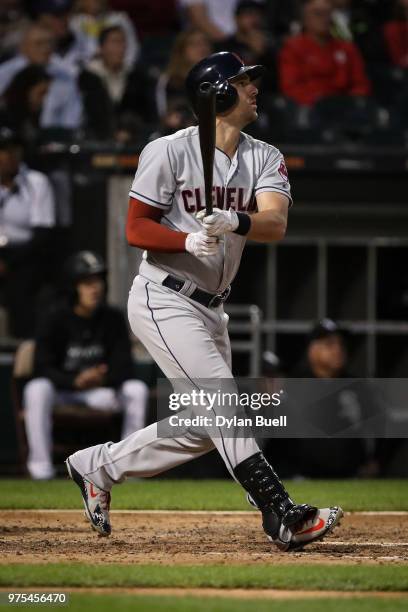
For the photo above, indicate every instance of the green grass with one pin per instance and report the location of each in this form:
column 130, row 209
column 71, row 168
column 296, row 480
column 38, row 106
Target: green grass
column 305, row 577
column 206, row 494
column 156, row 603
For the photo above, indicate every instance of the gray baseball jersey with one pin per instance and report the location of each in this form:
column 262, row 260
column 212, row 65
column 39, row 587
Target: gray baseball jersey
column 186, row 339
column 170, row 177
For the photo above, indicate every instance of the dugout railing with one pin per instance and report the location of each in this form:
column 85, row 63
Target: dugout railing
column 346, row 280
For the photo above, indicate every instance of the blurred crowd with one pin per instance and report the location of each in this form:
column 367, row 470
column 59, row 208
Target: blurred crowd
column 115, row 70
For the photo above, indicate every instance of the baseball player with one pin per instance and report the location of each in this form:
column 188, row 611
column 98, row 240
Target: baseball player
column 176, row 302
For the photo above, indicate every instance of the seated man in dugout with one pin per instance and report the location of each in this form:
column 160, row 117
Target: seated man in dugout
column 354, row 407
column 83, row 355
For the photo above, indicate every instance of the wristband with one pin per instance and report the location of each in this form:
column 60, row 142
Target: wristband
column 244, row 224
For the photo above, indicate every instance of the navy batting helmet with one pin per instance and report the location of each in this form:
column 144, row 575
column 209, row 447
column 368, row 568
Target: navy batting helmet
column 83, row 264
column 218, row 69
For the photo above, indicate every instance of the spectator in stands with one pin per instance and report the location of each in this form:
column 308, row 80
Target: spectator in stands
column 314, row 65
column 69, row 46
column 282, row 18
column 62, row 105
column 23, row 102
column 153, row 18
column 361, row 22
column 251, row 41
column 338, row 409
column 396, row 35
column 126, row 101
column 189, row 48
column 83, row 355
column 13, row 22
column 215, row 18
column 94, row 16
column 27, row 216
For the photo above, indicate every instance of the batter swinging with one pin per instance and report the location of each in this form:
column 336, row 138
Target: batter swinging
column 176, row 302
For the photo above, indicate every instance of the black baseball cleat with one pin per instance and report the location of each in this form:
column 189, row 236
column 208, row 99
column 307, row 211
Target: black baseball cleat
column 315, row 526
column 288, row 525
column 96, row 501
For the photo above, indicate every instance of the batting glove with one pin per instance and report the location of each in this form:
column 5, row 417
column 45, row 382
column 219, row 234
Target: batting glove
column 219, row 222
column 200, row 244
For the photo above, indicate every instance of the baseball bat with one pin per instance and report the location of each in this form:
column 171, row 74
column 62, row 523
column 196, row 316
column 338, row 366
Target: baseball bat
column 206, row 130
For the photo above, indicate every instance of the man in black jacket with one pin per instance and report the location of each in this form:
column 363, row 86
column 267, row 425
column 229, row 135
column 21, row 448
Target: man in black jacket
column 83, row 355
column 347, row 408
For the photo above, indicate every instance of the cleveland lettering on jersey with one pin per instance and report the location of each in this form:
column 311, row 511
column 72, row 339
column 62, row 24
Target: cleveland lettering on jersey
column 225, row 198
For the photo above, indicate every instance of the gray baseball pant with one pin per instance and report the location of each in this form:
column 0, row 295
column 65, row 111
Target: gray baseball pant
column 186, row 340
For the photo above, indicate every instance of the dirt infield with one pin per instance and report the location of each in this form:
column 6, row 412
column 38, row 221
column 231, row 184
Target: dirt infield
column 191, row 538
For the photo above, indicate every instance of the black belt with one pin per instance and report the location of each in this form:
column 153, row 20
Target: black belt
column 210, row 300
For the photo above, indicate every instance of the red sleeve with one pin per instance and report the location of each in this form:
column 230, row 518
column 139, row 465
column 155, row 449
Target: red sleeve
column 143, row 230
column 360, row 85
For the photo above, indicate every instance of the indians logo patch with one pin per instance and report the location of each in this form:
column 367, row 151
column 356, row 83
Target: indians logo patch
column 283, row 171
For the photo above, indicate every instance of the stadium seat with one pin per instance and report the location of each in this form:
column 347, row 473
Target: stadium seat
column 75, row 426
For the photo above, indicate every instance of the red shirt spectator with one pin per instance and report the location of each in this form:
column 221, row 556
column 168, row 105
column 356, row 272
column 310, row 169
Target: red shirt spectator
column 396, row 38
column 314, row 65
column 309, row 70
column 396, row 34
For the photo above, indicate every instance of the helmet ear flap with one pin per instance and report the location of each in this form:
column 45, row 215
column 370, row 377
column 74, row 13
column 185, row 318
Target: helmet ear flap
column 226, row 97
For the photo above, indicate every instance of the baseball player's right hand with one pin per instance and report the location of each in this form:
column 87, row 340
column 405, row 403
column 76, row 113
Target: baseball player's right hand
column 200, row 244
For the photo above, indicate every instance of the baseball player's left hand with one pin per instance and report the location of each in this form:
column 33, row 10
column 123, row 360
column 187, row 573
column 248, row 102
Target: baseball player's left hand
column 220, row 222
